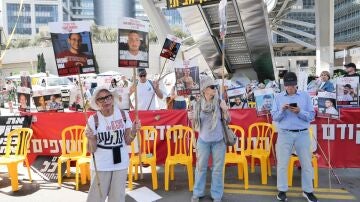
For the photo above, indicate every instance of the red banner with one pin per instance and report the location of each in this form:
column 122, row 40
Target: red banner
column 343, row 135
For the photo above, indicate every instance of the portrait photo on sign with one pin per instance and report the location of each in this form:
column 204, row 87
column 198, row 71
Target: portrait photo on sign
column 76, row 100
column 48, row 100
column 235, row 96
column 264, row 99
column 133, row 48
column 327, row 105
column 25, row 81
column 73, row 53
column 171, row 47
column 187, row 81
column 347, row 91
column 23, row 95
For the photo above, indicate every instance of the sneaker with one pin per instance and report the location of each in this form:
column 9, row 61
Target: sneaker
column 281, row 196
column 310, row 197
column 194, row 199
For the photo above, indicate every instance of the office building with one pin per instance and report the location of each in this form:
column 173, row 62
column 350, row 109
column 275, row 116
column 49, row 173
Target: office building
column 34, row 14
column 78, row 10
column 347, row 20
column 108, row 13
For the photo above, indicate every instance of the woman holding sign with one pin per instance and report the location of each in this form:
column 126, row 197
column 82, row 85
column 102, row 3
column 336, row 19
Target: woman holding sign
column 109, row 131
column 206, row 118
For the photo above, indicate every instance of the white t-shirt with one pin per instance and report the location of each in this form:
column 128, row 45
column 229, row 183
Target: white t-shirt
column 124, row 93
column 146, row 94
column 110, row 133
column 140, row 56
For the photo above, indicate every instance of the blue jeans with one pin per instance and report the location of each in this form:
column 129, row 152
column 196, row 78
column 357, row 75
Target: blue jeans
column 179, row 104
column 203, row 150
column 285, row 142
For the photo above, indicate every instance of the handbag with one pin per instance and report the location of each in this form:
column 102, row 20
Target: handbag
column 229, row 135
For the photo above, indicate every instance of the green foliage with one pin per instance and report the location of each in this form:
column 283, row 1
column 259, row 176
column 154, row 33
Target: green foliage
column 41, row 65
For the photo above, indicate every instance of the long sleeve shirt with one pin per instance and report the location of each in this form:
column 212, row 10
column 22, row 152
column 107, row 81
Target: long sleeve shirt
column 289, row 120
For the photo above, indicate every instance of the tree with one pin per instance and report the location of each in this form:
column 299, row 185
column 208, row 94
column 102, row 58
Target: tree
column 41, row 65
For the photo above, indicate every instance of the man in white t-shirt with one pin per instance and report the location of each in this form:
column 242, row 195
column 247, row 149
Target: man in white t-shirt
column 147, row 92
column 134, row 52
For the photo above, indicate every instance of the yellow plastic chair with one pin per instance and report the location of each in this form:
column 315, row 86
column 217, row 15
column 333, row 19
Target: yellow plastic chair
column 21, row 137
column 314, row 162
column 148, row 138
column 264, row 133
column 233, row 155
column 73, row 148
column 180, row 151
column 252, row 104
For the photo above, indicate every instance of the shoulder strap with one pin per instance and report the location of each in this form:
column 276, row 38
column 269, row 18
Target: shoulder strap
column 96, row 119
column 151, row 83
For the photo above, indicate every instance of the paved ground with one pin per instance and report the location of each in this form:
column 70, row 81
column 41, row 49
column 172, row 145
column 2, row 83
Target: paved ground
column 40, row 190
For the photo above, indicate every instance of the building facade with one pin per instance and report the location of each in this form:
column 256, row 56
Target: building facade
column 33, row 15
column 78, row 10
column 347, row 20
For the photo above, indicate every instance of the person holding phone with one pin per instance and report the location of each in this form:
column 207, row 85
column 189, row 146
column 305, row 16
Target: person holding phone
column 293, row 111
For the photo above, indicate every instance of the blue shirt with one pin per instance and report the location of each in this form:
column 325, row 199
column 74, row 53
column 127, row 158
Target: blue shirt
column 289, row 120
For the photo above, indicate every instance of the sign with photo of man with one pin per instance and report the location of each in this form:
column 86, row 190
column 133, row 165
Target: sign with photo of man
column 23, row 95
column 48, row 100
column 347, row 91
column 133, row 43
column 76, row 102
column 327, row 105
column 264, row 99
column 25, row 80
column 187, row 81
column 171, row 47
column 235, row 96
column 72, row 47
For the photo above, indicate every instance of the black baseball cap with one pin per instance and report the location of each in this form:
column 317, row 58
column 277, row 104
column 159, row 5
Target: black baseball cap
column 350, row 65
column 290, row 79
column 142, row 72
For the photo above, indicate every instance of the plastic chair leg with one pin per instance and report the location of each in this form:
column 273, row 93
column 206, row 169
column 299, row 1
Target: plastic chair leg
column 290, row 171
column 246, row 175
column 83, row 173
column 172, row 172
column 252, row 165
column 316, row 172
column 167, row 168
column 130, row 176
column 77, row 176
column 13, row 174
column 154, row 176
column 240, row 171
column 190, row 177
column 68, row 168
column 136, row 171
column 263, row 167
column 269, row 166
column 28, row 169
column 59, row 173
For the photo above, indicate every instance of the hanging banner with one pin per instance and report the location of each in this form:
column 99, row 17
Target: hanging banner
column 347, row 91
column 72, row 47
column 9, row 123
column 182, row 3
column 48, row 100
column 264, row 99
column 187, row 81
column 327, row 105
column 171, row 47
column 133, row 43
column 23, row 95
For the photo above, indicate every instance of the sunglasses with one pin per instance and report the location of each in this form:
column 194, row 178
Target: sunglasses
column 144, row 75
column 212, row 87
column 105, row 98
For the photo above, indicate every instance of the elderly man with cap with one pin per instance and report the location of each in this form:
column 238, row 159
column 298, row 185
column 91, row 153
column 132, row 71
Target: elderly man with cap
column 147, row 91
column 351, row 70
column 293, row 111
column 206, row 118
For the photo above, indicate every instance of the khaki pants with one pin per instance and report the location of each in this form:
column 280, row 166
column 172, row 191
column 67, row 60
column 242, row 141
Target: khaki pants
column 112, row 185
